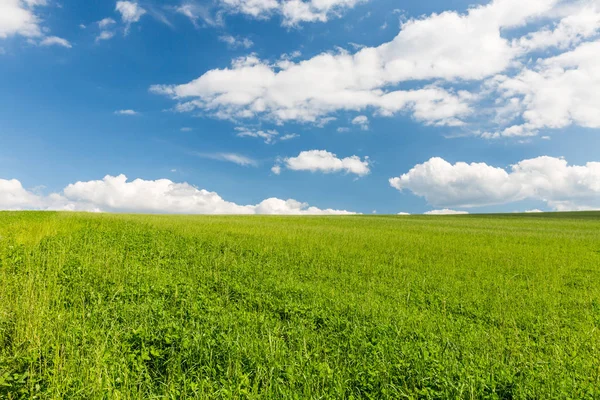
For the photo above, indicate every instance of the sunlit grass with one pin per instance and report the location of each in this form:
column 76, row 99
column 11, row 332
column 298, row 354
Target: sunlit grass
column 119, row 306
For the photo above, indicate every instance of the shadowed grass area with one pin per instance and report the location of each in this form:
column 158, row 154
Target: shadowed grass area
column 147, row 307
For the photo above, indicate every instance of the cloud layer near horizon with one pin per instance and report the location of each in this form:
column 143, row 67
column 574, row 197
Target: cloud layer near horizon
column 551, row 180
column 117, row 194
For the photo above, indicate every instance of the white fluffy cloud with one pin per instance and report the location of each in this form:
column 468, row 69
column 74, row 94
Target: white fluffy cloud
column 13, row 196
column 131, row 12
column 117, row 194
column 17, row 17
column 548, row 179
column 326, row 162
column 486, row 49
column 362, row 121
column 446, row 211
column 446, row 46
column 310, row 91
column 293, row 11
column 559, row 91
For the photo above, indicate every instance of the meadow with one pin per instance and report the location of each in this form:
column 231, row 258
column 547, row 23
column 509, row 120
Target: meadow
column 101, row 306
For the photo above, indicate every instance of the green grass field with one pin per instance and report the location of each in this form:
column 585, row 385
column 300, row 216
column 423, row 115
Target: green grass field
column 147, row 307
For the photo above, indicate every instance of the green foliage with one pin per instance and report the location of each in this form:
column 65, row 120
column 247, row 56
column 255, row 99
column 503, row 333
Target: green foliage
column 374, row 307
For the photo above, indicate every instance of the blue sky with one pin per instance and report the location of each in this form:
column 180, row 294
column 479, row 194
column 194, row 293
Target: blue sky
column 457, row 105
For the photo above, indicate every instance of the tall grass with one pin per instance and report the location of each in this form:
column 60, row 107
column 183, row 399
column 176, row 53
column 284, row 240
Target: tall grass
column 149, row 307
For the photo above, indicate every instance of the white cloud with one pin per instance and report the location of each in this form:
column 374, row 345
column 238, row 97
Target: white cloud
column 548, row 179
column 235, row 42
column 446, row 211
column 276, row 169
column 117, row 194
column 534, row 211
column 13, row 196
column 362, row 121
column 195, row 12
column 229, row 157
column 403, row 213
column 487, row 49
column 254, row 8
column 126, row 112
column 442, row 46
column 277, row 206
column 55, row 41
column 326, row 162
column 106, row 22
column 297, row 11
column 186, row 129
column 131, row 12
column 289, row 136
column 581, row 21
column 105, row 35
column 293, row 12
column 269, row 136
column 343, row 129
column 559, row 91
column 310, row 91
column 17, row 17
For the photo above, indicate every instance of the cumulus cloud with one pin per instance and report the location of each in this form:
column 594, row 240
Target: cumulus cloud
column 293, row 12
column 55, row 41
column 580, row 21
column 442, row 46
column 459, row 63
column 131, row 12
column 17, row 17
column 362, row 121
column 310, row 91
column 13, row 196
column 326, row 162
column 559, row 91
column 446, row 211
column 117, row 194
column 551, row 180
